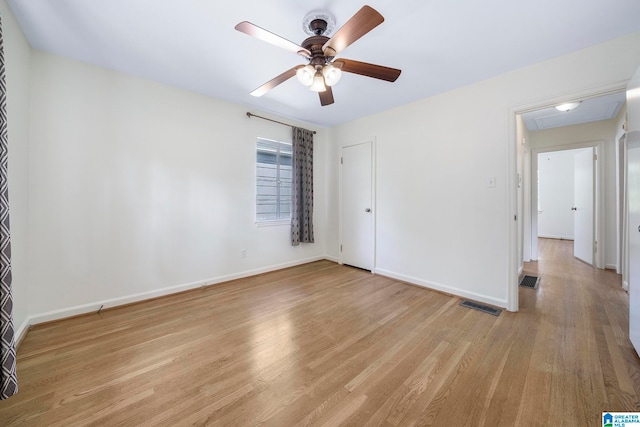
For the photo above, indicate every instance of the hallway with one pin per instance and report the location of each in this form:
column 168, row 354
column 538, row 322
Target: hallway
column 582, row 312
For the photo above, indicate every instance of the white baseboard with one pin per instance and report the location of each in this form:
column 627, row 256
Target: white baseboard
column 128, row 299
column 22, row 330
column 444, row 288
column 611, row 267
column 625, row 286
column 332, row 259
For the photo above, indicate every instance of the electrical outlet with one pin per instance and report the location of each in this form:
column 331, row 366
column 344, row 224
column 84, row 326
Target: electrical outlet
column 243, row 253
column 491, row 182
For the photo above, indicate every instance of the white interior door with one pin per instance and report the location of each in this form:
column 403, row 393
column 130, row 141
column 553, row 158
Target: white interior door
column 633, row 186
column 356, row 206
column 584, row 206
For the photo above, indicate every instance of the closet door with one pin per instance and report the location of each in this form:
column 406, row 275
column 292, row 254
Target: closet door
column 357, row 242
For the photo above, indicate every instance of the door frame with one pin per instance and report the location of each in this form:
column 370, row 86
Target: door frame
column 622, row 266
column 513, row 208
column 598, row 218
column 374, row 211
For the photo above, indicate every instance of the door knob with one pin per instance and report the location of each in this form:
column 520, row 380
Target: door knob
column 574, row 209
column 367, row 210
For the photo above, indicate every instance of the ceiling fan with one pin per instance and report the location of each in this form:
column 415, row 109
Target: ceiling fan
column 323, row 70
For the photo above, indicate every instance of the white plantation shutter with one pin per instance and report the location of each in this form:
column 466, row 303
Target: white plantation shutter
column 273, row 180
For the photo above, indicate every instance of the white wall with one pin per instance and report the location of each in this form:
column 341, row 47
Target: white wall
column 138, row 189
column 17, row 54
column 556, row 185
column 596, row 131
column 438, row 224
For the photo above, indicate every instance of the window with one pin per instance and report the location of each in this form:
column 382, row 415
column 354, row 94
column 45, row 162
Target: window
column 273, row 180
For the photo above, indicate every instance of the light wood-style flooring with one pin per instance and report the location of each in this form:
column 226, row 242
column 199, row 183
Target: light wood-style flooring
column 324, row 344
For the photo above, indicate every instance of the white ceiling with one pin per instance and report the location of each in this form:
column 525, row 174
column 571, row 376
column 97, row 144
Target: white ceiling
column 438, row 44
column 590, row 110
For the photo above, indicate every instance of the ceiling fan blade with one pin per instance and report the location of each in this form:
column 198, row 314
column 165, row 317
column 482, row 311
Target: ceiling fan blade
column 269, row 37
column 326, row 97
column 275, row 81
column 365, row 20
column 369, row 70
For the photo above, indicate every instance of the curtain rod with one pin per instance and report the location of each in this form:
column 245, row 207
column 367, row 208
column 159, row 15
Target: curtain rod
column 249, row 115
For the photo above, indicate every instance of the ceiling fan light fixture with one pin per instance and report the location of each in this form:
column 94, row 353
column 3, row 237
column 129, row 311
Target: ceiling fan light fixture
column 320, row 50
column 567, row 106
column 305, row 75
column 318, row 83
column 331, row 74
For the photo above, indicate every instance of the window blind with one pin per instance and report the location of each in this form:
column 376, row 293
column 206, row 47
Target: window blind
column 273, row 180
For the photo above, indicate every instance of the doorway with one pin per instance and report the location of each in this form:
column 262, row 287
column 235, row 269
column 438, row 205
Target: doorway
column 565, row 201
column 596, row 224
column 522, row 227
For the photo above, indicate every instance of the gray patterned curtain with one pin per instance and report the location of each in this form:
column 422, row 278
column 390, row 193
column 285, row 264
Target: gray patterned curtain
column 302, row 187
column 8, row 380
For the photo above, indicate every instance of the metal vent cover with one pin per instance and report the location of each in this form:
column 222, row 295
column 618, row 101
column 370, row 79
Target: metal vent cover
column 481, row 307
column 530, row 282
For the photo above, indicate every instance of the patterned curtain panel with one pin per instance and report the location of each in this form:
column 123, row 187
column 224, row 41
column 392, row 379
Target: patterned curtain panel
column 302, row 187
column 8, row 380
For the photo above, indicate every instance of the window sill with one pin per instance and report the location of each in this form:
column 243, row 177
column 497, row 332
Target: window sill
column 273, row 223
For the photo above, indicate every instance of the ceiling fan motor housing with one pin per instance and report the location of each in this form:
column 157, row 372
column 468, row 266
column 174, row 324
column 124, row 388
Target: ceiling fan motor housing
column 314, row 45
column 318, row 24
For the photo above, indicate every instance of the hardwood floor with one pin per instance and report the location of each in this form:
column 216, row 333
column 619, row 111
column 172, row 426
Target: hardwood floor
column 323, row 344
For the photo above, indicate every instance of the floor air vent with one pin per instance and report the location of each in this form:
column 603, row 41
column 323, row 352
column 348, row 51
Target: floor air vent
column 530, row 282
column 481, row 307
